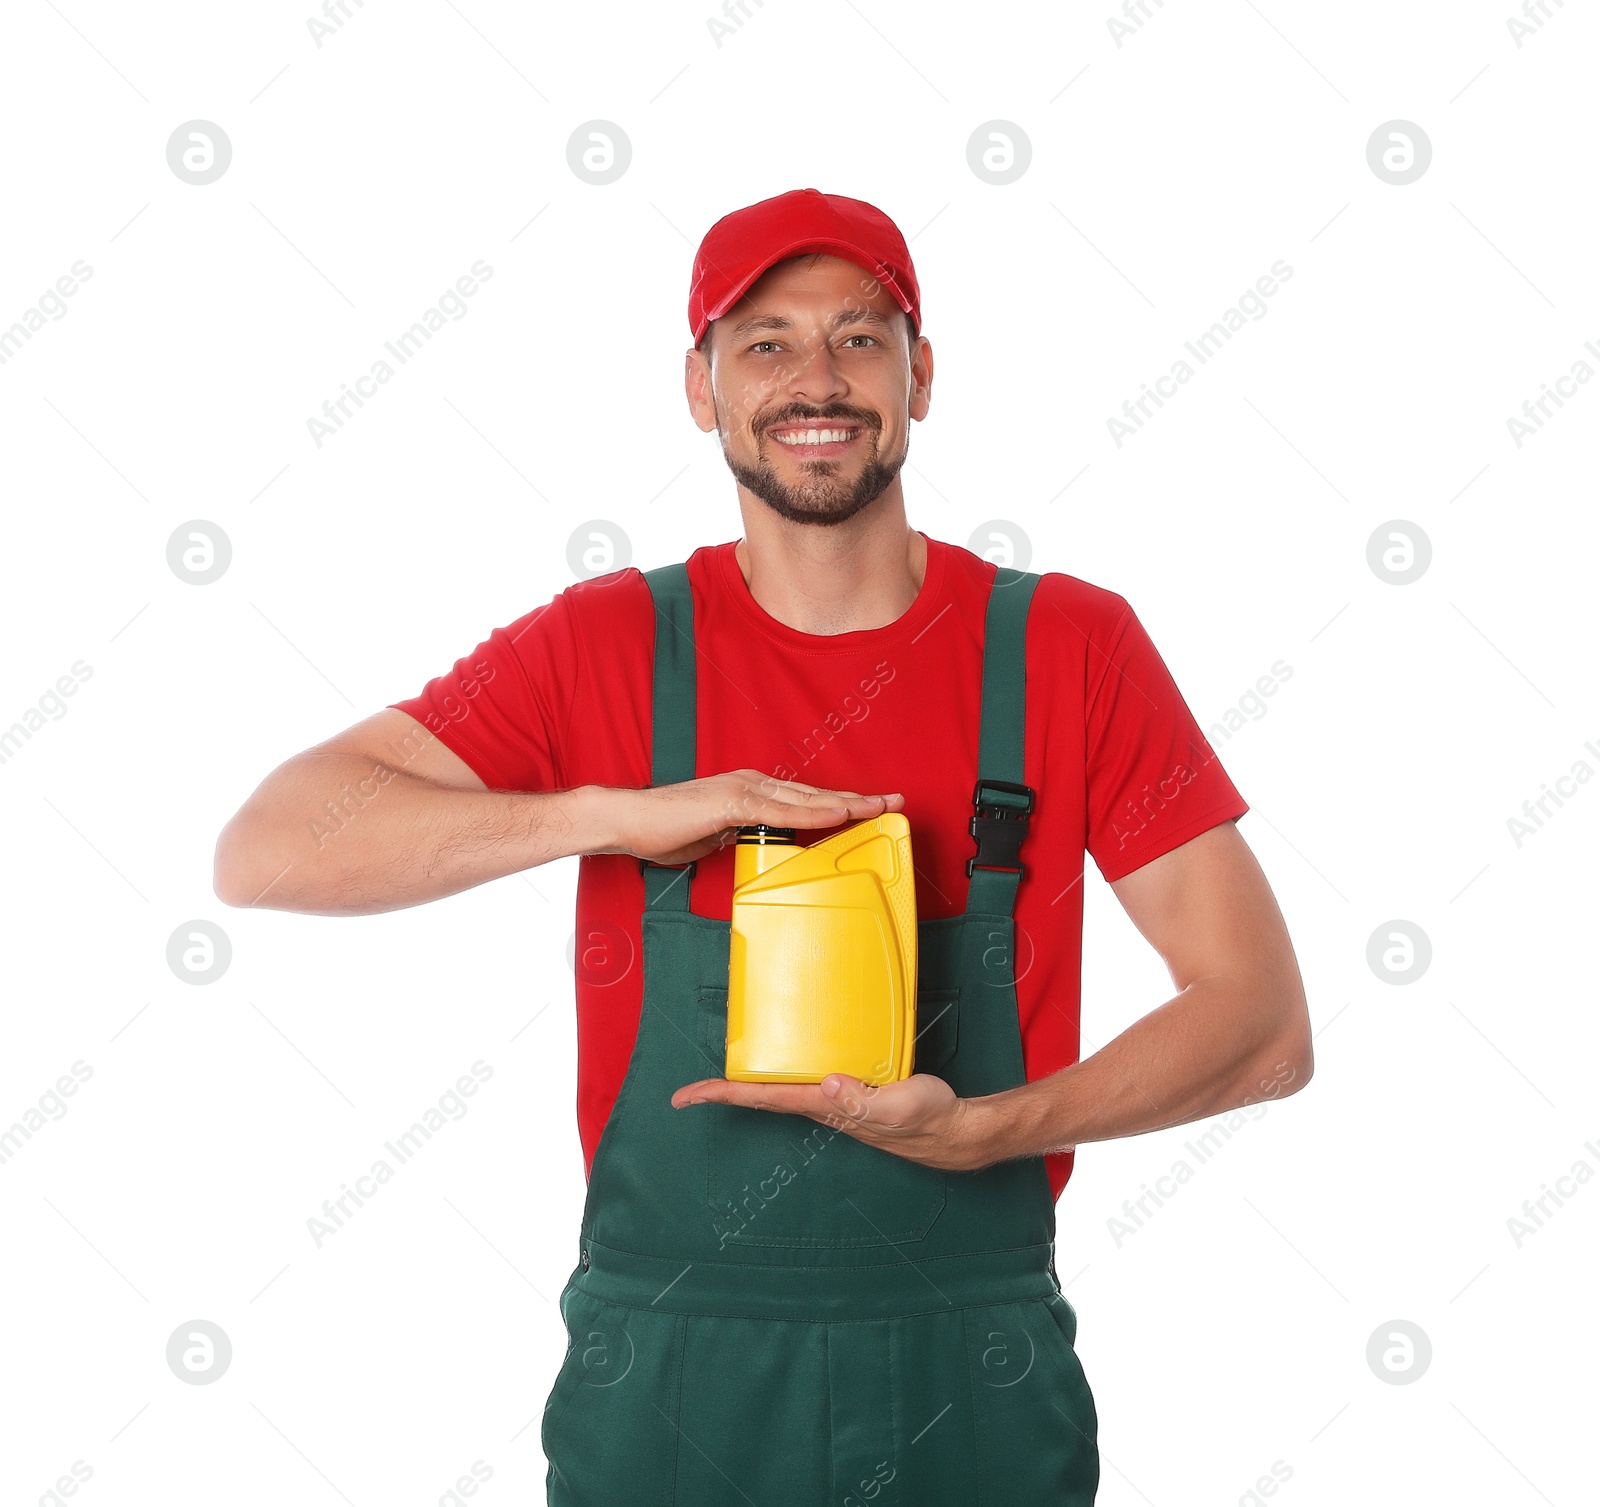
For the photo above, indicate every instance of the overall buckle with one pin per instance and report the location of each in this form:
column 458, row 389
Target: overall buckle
column 999, row 825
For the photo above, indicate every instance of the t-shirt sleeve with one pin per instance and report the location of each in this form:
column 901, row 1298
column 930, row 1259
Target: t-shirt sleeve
column 504, row 709
column 1154, row 781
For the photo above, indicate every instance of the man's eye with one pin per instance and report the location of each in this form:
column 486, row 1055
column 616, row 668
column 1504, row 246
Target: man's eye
column 765, row 347
column 866, row 339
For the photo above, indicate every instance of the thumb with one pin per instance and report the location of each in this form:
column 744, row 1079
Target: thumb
column 848, row 1093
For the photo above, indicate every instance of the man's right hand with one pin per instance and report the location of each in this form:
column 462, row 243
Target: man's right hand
column 676, row 823
column 384, row 815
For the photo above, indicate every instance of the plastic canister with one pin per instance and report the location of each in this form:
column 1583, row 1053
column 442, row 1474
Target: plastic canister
column 822, row 968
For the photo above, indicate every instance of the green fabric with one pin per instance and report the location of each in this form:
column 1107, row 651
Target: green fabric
column 767, row 1310
column 1000, row 728
column 672, row 730
column 973, row 1406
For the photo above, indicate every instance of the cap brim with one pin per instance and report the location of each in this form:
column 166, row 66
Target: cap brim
column 834, row 247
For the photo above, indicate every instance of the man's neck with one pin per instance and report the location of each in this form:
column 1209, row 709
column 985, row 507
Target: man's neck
column 864, row 573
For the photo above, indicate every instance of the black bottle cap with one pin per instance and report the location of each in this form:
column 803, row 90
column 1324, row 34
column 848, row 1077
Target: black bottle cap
column 760, row 832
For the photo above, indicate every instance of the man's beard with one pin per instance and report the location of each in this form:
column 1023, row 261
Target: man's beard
column 825, row 499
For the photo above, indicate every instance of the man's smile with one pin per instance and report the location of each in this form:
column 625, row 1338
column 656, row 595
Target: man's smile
column 817, row 438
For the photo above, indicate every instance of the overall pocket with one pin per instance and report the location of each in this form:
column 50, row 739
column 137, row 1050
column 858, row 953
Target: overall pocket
column 609, row 1427
column 1061, row 1336
column 1034, row 1420
column 592, row 1330
column 791, row 1181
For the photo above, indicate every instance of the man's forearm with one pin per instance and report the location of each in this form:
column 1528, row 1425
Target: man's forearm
column 387, row 839
column 1219, row 1044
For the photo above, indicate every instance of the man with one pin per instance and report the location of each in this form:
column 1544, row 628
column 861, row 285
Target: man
column 809, row 1294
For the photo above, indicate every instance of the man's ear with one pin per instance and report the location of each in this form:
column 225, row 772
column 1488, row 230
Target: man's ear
column 697, row 387
column 921, row 377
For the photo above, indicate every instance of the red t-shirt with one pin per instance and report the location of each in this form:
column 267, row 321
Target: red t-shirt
column 561, row 698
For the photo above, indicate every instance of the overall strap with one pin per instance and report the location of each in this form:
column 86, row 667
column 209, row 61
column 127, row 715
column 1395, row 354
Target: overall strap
column 1001, row 803
column 672, row 714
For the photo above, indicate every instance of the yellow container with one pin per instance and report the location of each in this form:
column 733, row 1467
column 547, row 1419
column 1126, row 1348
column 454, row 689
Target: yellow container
column 822, row 974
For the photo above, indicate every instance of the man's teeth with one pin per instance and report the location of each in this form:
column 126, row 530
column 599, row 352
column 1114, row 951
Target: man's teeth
column 814, row 436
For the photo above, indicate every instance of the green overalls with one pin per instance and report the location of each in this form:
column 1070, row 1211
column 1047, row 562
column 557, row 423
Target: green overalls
column 767, row 1312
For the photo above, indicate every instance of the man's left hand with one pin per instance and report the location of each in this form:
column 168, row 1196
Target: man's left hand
column 919, row 1118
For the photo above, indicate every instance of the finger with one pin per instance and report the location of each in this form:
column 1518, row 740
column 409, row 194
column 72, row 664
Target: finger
column 814, row 809
column 751, row 807
column 763, row 782
column 795, row 794
column 772, row 787
column 689, row 1093
column 800, row 792
column 849, row 1096
column 781, row 1098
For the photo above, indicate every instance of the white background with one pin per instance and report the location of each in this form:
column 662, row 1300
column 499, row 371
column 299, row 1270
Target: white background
column 1167, row 174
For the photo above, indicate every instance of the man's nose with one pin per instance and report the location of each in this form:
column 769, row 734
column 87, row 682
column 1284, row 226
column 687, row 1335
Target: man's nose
column 814, row 375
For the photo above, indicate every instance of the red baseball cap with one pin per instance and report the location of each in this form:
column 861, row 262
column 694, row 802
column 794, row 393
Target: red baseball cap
column 744, row 244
